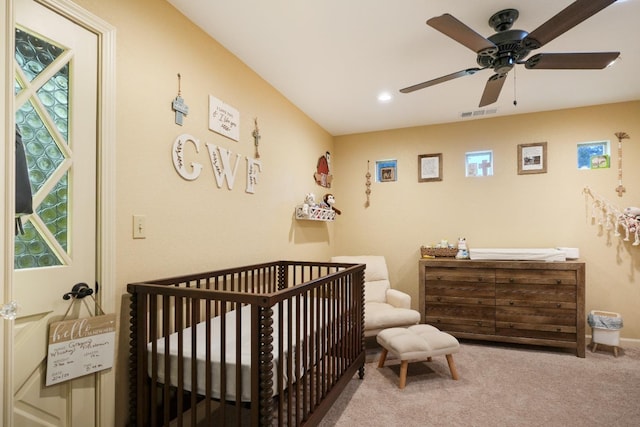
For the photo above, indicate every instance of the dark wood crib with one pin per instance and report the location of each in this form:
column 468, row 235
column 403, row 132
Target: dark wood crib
column 266, row 344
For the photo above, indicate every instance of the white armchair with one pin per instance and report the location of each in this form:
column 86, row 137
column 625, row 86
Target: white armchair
column 384, row 307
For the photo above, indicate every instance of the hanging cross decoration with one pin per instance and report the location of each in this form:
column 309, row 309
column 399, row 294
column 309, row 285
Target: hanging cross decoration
column 485, row 165
column 620, row 188
column 179, row 106
column 256, row 136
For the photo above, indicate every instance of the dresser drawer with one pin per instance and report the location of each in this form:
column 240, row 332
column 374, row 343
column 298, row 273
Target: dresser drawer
column 460, row 274
column 542, row 277
column 536, row 316
column 536, row 295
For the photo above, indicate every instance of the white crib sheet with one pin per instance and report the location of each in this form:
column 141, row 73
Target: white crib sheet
column 230, row 354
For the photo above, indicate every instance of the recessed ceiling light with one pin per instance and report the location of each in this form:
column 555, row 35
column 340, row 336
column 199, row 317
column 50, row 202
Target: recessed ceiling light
column 384, row 97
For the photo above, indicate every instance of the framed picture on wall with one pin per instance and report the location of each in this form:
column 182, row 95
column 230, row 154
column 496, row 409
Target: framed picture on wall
column 430, row 167
column 532, row 158
column 386, row 170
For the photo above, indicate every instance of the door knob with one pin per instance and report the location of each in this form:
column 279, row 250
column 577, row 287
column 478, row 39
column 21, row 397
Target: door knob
column 9, row 310
column 79, row 291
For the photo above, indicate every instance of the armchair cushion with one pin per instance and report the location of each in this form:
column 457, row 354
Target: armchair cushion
column 380, row 315
column 398, row 298
column 376, row 275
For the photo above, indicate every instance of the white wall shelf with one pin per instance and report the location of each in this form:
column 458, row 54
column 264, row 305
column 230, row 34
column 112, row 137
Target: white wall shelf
column 314, row 213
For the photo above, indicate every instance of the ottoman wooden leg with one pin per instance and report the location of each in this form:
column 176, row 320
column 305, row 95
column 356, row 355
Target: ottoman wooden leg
column 403, row 373
column 452, row 367
column 383, row 357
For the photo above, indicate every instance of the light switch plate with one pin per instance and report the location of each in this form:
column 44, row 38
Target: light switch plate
column 139, row 227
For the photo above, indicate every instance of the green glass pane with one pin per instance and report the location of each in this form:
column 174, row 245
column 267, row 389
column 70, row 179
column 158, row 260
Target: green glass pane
column 53, row 211
column 43, row 154
column 33, row 54
column 54, row 96
column 16, row 86
column 32, row 251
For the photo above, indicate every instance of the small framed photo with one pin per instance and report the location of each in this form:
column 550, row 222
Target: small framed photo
column 386, row 170
column 532, row 158
column 429, row 167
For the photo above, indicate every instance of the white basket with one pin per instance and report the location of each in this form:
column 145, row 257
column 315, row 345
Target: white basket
column 603, row 335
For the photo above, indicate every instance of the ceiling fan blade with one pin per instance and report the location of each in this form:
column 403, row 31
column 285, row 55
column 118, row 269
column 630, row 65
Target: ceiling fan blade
column 442, row 79
column 450, row 26
column 571, row 61
column 492, row 89
column 562, row 22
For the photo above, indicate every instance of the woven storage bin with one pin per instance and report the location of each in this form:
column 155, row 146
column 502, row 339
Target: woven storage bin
column 438, row 252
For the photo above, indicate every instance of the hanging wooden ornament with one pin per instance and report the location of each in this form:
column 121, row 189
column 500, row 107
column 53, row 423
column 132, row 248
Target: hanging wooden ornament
column 620, row 188
column 256, row 137
column 368, row 185
column 179, row 106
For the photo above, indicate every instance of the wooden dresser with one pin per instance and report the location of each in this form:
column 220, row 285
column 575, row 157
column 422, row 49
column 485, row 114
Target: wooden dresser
column 527, row 302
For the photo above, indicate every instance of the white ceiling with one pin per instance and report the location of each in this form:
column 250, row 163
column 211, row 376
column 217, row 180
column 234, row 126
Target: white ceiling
column 332, row 58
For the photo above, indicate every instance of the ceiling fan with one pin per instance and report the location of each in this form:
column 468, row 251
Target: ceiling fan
column 509, row 47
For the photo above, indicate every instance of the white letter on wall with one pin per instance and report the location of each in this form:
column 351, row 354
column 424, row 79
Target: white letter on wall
column 221, row 165
column 178, row 157
column 253, row 167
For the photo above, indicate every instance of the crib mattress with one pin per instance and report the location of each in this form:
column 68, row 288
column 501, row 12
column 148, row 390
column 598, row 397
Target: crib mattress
column 517, row 254
column 231, row 359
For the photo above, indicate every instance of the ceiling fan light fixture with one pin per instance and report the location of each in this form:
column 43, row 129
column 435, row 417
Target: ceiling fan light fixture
column 384, row 97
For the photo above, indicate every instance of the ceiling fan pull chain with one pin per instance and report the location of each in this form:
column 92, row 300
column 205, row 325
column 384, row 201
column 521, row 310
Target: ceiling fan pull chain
column 515, row 95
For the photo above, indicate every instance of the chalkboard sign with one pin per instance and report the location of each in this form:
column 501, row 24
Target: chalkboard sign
column 80, row 347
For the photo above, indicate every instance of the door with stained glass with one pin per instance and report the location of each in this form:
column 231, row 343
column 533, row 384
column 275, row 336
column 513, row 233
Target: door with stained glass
column 56, row 106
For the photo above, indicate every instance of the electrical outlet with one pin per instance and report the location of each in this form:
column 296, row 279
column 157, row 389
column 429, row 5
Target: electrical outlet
column 139, row 227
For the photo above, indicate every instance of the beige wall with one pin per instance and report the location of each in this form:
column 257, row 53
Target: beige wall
column 193, row 226
column 505, row 210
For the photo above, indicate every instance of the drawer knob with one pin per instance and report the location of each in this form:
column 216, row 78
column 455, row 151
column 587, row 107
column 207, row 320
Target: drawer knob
column 511, row 325
column 479, row 323
column 438, row 277
column 479, row 301
column 439, row 299
column 559, row 305
column 559, row 281
column 511, row 280
column 479, row 279
column 558, row 329
column 511, row 303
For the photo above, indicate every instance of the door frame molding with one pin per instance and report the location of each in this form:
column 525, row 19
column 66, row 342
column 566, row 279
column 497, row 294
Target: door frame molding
column 106, row 198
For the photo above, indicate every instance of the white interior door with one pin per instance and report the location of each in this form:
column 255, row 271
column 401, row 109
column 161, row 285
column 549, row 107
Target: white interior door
column 56, row 111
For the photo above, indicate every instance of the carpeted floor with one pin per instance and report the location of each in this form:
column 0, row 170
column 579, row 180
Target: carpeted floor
column 499, row 385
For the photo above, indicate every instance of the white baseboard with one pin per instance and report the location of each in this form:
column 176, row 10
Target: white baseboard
column 624, row 342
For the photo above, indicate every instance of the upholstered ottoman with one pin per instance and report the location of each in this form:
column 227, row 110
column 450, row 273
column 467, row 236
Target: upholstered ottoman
column 418, row 342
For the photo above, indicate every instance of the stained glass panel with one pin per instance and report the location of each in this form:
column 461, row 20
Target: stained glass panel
column 38, row 248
